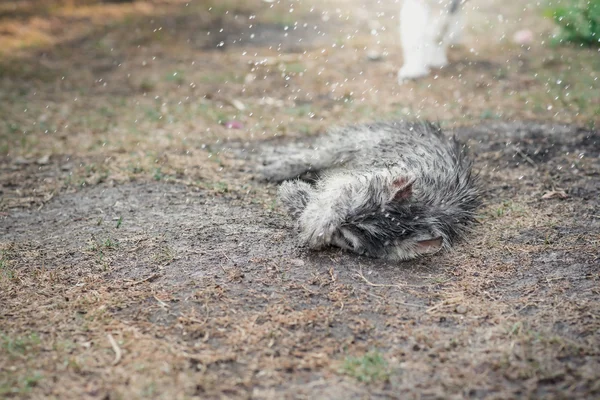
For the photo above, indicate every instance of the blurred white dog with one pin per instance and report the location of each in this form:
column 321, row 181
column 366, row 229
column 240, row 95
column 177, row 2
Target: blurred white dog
column 427, row 28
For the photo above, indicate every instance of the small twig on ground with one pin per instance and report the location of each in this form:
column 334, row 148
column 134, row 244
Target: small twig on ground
column 150, row 278
column 448, row 302
column 116, row 348
column 269, row 61
column 223, row 269
column 360, row 274
column 372, row 294
column 228, row 259
column 225, row 255
column 368, row 282
column 195, row 357
column 308, row 290
column 485, row 292
column 396, row 285
column 192, row 319
column 162, row 303
column 525, row 156
column 47, row 199
column 332, row 275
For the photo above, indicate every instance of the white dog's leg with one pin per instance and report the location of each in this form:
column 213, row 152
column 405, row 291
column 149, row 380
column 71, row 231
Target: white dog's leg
column 445, row 30
column 427, row 30
column 414, row 24
column 456, row 28
column 436, row 51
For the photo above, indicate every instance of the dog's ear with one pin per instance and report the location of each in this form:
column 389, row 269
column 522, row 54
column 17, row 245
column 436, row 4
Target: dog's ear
column 430, row 246
column 295, row 195
column 402, row 189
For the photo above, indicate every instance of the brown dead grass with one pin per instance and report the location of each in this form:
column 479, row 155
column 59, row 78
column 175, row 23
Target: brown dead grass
column 109, row 94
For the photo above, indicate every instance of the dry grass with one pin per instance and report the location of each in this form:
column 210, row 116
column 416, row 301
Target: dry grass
column 135, row 96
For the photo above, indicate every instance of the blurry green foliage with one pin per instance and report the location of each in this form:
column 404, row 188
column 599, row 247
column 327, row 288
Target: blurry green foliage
column 579, row 21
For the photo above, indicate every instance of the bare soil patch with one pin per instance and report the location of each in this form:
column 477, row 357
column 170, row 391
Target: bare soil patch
column 219, row 284
column 140, row 259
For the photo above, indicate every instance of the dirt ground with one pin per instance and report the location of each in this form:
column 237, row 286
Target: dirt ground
column 139, row 257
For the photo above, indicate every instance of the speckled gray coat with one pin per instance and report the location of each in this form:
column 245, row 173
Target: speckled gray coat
column 393, row 190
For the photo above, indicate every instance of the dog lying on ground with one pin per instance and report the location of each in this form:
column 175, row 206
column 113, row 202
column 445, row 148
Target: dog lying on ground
column 394, row 190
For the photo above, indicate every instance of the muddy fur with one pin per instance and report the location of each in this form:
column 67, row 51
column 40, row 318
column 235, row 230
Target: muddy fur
column 393, row 190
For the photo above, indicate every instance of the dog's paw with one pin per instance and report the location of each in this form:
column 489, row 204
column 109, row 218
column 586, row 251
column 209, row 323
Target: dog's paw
column 438, row 58
column 295, row 195
column 409, row 72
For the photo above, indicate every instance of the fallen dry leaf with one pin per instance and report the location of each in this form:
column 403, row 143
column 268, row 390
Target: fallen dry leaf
column 555, row 194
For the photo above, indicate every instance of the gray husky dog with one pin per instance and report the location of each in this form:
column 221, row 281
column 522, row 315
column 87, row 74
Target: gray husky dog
column 393, row 190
